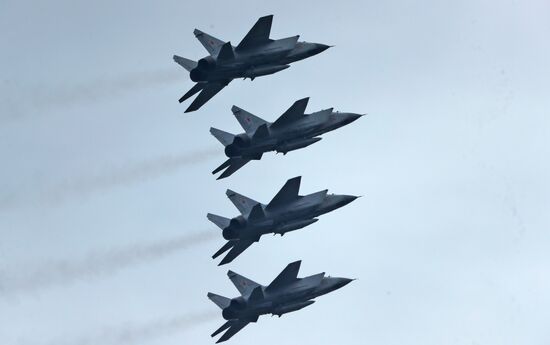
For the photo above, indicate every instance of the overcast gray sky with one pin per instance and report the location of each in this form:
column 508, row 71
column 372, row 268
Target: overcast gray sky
column 105, row 183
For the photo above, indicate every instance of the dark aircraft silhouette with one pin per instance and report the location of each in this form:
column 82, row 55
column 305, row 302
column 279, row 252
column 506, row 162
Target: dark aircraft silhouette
column 291, row 131
column 285, row 294
column 256, row 55
column 287, row 211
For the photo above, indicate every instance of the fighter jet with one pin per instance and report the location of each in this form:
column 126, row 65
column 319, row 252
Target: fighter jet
column 285, row 294
column 287, row 211
column 256, row 55
column 292, row 131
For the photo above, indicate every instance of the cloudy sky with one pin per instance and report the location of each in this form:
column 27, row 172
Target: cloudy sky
column 105, row 183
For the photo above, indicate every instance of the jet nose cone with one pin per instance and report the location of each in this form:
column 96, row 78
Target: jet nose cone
column 346, row 199
column 350, row 117
column 343, row 282
column 319, row 48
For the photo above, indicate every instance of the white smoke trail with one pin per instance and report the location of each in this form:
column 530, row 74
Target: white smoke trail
column 21, row 101
column 117, row 176
column 95, row 264
column 133, row 334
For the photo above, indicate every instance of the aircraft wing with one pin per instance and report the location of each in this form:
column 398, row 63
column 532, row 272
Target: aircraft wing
column 286, row 277
column 237, row 249
column 258, row 35
column 232, row 165
column 287, row 194
column 208, row 91
column 294, row 113
column 234, row 328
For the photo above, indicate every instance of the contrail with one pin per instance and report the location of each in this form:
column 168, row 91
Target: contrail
column 96, row 264
column 53, row 97
column 117, row 176
column 132, row 334
column 129, row 174
column 136, row 333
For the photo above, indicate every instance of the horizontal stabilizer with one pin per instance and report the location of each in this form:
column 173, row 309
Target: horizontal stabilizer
column 239, row 247
column 288, row 276
column 223, row 137
column 185, row 63
column 220, row 301
column 196, row 88
column 223, row 249
column 287, row 194
column 235, row 327
column 243, row 284
column 234, row 165
column 208, row 91
column 220, row 221
column 210, row 43
column 249, row 122
column 222, row 328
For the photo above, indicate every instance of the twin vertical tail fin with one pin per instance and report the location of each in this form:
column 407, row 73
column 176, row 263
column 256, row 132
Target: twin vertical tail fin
column 220, row 301
column 220, row 221
column 185, row 63
column 223, row 137
column 209, row 42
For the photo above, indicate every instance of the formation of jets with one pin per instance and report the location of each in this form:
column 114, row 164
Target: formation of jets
column 258, row 55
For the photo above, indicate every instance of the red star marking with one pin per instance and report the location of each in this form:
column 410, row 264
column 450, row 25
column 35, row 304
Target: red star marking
column 248, row 119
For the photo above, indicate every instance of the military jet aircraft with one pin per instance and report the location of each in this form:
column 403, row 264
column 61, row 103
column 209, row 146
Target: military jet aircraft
column 256, row 55
column 292, row 131
column 285, row 294
column 287, row 211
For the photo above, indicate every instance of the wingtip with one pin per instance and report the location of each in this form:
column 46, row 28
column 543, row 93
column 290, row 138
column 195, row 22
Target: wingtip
column 189, row 110
column 296, row 178
column 235, row 109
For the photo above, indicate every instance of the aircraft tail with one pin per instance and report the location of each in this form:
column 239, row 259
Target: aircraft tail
column 185, row 63
column 223, row 137
column 220, row 301
column 220, row 221
column 210, row 43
